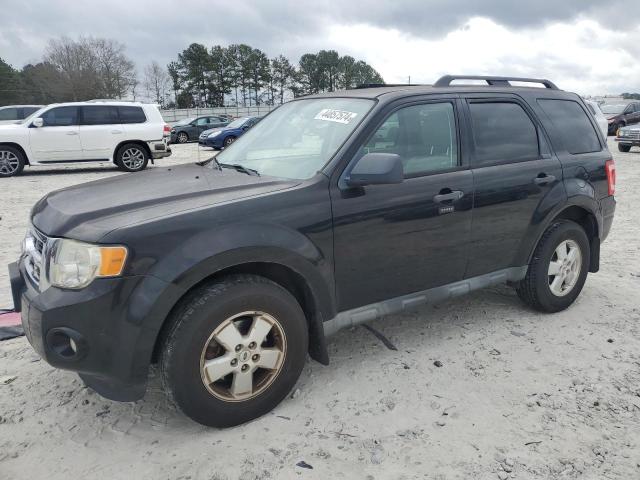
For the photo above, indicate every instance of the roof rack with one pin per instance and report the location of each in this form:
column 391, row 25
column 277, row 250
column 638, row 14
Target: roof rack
column 446, row 80
column 382, row 85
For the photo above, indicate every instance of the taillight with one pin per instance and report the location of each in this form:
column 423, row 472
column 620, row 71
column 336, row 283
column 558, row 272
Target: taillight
column 167, row 131
column 610, row 168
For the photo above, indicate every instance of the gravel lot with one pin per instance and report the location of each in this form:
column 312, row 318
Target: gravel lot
column 519, row 394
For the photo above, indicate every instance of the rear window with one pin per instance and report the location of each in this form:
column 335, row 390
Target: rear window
column 572, row 123
column 503, row 132
column 9, row 114
column 131, row 115
column 100, row 115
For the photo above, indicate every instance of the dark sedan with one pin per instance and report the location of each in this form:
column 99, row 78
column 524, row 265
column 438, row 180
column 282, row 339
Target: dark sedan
column 619, row 116
column 189, row 130
column 223, row 137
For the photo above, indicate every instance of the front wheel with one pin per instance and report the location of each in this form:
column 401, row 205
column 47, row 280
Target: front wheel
column 132, row 158
column 11, row 161
column 624, row 148
column 558, row 269
column 236, row 348
column 228, row 141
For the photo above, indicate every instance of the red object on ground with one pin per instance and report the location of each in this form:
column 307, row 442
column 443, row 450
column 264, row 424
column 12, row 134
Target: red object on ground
column 11, row 319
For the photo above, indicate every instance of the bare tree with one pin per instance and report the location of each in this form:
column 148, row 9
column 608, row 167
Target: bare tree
column 116, row 70
column 156, row 82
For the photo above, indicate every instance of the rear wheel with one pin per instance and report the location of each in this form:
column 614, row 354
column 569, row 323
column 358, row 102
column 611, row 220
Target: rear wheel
column 11, row 161
column 132, row 157
column 624, row 148
column 236, row 348
column 558, row 269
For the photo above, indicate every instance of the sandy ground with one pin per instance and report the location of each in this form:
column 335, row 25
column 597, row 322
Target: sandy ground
column 519, row 394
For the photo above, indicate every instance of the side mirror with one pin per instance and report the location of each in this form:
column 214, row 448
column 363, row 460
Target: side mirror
column 37, row 122
column 376, row 169
column 245, row 128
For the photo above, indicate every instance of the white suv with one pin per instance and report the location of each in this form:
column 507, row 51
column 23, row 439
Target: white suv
column 125, row 133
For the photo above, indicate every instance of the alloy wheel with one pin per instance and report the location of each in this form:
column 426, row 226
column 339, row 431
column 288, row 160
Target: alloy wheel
column 564, row 268
column 182, row 137
column 243, row 356
column 133, row 158
column 9, row 162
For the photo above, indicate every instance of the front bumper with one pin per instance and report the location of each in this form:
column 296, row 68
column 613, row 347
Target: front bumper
column 633, row 142
column 106, row 332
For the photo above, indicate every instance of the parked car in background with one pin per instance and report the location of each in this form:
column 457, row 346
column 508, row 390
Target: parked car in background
column 15, row 113
column 620, row 115
column 628, row 137
column 223, row 137
column 595, row 110
column 189, row 130
column 229, row 272
column 125, row 133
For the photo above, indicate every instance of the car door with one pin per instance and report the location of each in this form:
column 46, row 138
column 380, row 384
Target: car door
column 58, row 139
column 392, row 240
column 202, row 124
column 100, row 131
column 514, row 174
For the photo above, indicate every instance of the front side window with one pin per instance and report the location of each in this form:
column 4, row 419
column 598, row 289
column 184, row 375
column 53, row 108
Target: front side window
column 9, row 114
column 99, row 115
column 502, row 132
column 297, row 139
column 201, row 122
column 60, row 117
column 573, row 125
column 131, row 115
column 424, row 136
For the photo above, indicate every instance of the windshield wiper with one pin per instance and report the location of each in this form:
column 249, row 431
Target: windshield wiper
column 239, row 168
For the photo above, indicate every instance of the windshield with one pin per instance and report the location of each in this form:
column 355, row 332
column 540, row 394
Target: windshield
column 238, row 123
column 612, row 109
column 35, row 114
column 299, row 138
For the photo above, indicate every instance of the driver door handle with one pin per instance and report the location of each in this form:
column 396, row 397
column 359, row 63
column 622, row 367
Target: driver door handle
column 446, row 197
column 72, row 133
column 544, row 179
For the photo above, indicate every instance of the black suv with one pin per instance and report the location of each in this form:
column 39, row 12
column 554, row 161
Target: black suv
column 334, row 210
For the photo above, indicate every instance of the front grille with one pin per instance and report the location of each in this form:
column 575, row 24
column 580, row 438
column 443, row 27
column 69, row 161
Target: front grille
column 632, row 135
column 34, row 254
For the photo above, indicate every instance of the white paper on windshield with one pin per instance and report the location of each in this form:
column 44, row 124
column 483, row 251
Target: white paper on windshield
column 338, row 116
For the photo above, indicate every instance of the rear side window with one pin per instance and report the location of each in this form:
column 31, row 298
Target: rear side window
column 131, row 115
column 60, row 117
column 9, row 114
column 502, row 133
column 99, row 115
column 572, row 123
column 26, row 111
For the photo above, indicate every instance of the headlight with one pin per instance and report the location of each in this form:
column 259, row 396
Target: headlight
column 214, row 134
column 74, row 264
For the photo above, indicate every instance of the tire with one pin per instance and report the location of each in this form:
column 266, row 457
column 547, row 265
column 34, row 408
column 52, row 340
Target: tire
column 132, row 157
column 229, row 140
column 538, row 289
column 624, row 148
column 182, row 137
column 12, row 161
column 192, row 342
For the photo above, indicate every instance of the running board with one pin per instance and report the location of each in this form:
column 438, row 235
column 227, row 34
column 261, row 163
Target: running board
column 367, row 313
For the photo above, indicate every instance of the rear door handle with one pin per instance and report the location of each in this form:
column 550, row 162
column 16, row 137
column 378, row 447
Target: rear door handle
column 72, row 133
column 446, row 197
column 116, row 132
column 544, row 179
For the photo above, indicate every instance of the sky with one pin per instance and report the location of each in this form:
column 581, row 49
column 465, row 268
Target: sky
column 590, row 47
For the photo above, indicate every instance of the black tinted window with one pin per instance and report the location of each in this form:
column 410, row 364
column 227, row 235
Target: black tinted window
column 60, row 117
column 9, row 114
column 572, row 123
column 423, row 135
column 99, row 115
column 131, row 115
column 503, row 132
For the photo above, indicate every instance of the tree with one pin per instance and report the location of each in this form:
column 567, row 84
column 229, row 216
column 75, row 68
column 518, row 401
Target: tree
column 43, row 83
column 116, row 71
column 258, row 72
column 10, row 84
column 222, row 64
column 282, row 77
column 176, row 81
column 156, row 82
column 195, row 63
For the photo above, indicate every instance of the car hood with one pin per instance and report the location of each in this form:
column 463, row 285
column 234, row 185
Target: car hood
column 91, row 210
column 210, row 131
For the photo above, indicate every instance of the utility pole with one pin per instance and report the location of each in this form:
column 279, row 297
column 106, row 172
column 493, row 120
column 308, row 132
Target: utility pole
column 409, row 82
